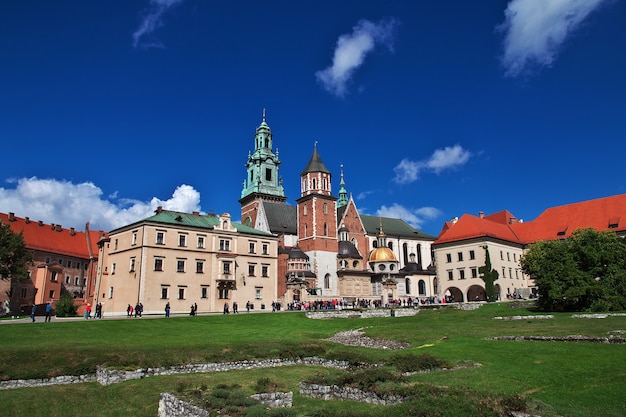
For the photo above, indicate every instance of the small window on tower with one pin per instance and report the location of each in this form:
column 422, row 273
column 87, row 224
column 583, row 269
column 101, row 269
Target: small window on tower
column 268, row 174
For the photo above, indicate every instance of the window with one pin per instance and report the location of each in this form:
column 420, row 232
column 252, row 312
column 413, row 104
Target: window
column 304, row 209
column 472, row 255
column 264, row 269
column 224, row 245
column 226, row 268
column 257, row 293
column 502, row 255
column 511, row 273
column 514, row 257
column 51, row 294
column 158, row 264
column 200, row 242
column 450, row 275
column 222, row 293
column 200, row 267
column 252, row 247
column 110, row 292
column 265, row 249
column 517, row 273
column 390, row 245
column 77, row 265
column 134, row 238
column 76, row 281
column 508, row 256
column 84, row 281
column 268, row 174
column 165, row 293
column 60, row 261
column 448, row 257
column 68, row 279
column 47, row 259
column 250, row 270
column 327, row 281
column 204, row 292
column 181, row 293
column 132, row 264
column 115, row 244
column 53, row 276
column 180, row 265
column 474, row 272
column 113, row 268
column 23, row 293
column 460, row 255
column 325, row 208
column 160, row 238
column 503, row 272
column 182, row 240
column 355, row 264
column 69, row 264
column 325, row 229
column 461, row 273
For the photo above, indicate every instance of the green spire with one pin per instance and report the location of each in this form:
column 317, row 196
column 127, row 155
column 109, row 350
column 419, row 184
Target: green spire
column 262, row 166
column 343, row 194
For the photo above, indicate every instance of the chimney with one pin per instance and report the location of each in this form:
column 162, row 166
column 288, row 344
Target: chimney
column 40, row 223
column 57, row 227
column 159, row 209
column 11, row 217
column 52, row 226
column 72, row 231
column 196, row 213
column 481, row 214
column 26, row 220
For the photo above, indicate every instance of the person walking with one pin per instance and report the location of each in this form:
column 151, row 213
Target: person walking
column 32, row 313
column 48, row 312
column 167, row 309
column 235, row 307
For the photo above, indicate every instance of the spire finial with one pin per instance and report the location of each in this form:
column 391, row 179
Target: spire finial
column 263, row 114
column 315, row 144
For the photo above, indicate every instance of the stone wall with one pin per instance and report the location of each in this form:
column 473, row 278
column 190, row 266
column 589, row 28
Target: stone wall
column 363, row 314
column 335, row 392
column 113, row 376
column 275, row 399
column 170, row 406
column 41, row 382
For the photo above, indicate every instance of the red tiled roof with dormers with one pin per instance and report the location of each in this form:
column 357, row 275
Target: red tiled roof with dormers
column 608, row 213
column 470, row 227
column 53, row 238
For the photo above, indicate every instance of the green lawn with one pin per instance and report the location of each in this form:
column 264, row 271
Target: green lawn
column 568, row 379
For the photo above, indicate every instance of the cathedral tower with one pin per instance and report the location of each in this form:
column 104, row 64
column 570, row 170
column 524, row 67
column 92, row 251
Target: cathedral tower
column 262, row 182
column 317, row 222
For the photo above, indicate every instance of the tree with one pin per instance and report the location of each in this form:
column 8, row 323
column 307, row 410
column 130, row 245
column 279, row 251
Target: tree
column 14, row 257
column 587, row 271
column 65, row 307
column 489, row 276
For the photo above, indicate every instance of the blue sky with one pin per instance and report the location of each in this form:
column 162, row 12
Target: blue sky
column 435, row 109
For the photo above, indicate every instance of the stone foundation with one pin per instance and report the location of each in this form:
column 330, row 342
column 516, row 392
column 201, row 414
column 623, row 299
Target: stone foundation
column 335, row 392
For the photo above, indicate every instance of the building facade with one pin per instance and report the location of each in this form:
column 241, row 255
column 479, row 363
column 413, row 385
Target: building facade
column 324, row 242
column 64, row 262
column 183, row 260
column 462, row 245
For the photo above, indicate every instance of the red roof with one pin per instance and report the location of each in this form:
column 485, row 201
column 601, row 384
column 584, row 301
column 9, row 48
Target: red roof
column 53, row 238
column 608, row 213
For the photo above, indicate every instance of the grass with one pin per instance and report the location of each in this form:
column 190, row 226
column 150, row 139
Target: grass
column 568, row 379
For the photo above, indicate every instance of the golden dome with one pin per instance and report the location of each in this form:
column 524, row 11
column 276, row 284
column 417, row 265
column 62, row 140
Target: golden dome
column 382, row 254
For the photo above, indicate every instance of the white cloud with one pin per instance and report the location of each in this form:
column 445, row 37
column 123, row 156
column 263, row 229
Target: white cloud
column 535, row 31
column 151, row 22
column 73, row 205
column 408, row 171
column 351, row 51
column 414, row 217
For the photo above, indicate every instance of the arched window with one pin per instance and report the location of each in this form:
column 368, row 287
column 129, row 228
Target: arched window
column 325, row 208
column 419, row 254
column 407, row 285
column 354, row 242
column 325, row 229
column 327, row 281
column 421, row 287
column 306, row 230
column 405, row 253
column 390, row 245
column 314, row 183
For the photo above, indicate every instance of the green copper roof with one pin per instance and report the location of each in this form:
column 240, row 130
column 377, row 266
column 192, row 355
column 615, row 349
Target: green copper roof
column 203, row 221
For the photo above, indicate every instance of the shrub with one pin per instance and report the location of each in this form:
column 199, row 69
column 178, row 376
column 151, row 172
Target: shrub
column 413, row 363
column 65, row 307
